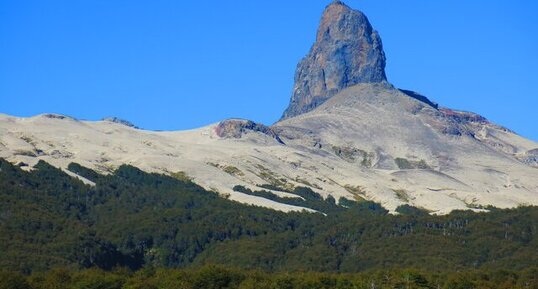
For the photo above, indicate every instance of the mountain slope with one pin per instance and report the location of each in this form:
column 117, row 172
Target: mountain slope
column 340, row 157
column 347, row 133
column 134, row 219
column 419, row 152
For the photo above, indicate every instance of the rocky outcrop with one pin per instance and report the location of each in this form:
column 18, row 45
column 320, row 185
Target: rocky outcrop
column 463, row 117
column 530, row 158
column 236, row 128
column 420, row 98
column 347, row 51
column 120, row 121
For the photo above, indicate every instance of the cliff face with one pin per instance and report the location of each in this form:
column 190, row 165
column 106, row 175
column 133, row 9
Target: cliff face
column 347, row 51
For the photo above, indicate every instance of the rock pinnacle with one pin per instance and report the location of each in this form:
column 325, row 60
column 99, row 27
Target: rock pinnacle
column 347, row 51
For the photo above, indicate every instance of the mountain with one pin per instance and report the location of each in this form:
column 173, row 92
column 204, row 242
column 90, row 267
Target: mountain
column 347, row 51
column 347, row 133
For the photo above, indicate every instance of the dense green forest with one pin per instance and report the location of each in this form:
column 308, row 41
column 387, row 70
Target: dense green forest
column 132, row 220
column 218, row 277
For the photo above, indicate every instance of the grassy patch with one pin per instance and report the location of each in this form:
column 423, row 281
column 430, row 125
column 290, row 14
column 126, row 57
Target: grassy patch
column 273, row 179
column 353, row 155
column 307, row 183
column 402, row 195
column 231, row 170
column 106, row 168
column 182, row 176
column 358, row 192
column 25, row 153
column 234, row 171
column 405, row 164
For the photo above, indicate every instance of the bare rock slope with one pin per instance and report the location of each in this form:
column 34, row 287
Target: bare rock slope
column 347, row 133
column 399, row 146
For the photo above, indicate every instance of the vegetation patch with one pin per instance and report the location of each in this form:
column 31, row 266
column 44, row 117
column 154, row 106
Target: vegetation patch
column 474, row 205
column 274, row 188
column 83, row 172
column 411, row 210
column 234, row 171
column 272, row 178
column 352, row 155
column 229, row 169
column 182, row 176
column 402, row 195
column 307, row 183
column 358, row 192
column 28, row 140
column 306, row 198
column 405, row 164
column 105, row 167
column 25, row 153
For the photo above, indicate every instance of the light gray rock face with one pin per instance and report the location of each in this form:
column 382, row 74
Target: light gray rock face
column 434, row 154
column 236, row 128
column 347, row 51
column 530, row 158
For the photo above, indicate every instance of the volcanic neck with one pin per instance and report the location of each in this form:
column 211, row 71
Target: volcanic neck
column 347, row 51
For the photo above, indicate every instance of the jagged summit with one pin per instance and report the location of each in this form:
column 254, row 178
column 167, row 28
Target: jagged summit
column 337, row 2
column 347, row 51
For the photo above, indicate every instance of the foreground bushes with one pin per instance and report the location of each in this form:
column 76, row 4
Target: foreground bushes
column 215, row 277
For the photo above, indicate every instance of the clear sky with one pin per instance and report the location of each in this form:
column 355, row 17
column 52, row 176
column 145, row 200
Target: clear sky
column 176, row 64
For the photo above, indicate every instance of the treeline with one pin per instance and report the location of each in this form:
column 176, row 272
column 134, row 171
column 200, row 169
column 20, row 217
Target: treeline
column 134, row 219
column 216, row 277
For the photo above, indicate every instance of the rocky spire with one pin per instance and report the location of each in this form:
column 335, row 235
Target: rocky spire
column 347, row 51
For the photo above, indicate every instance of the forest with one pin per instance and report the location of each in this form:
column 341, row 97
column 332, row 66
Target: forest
column 134, row 228
column 220, row 277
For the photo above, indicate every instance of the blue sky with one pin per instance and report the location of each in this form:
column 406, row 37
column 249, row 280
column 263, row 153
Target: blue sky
column 168, row 65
